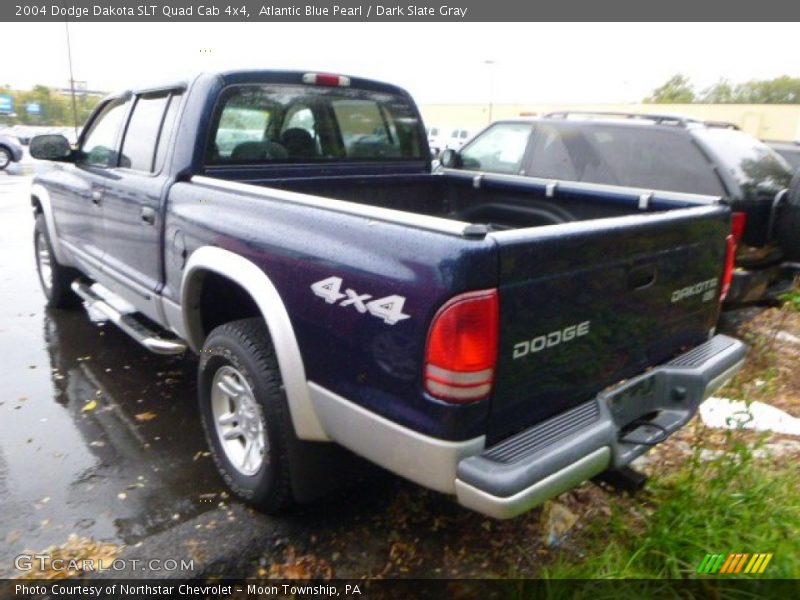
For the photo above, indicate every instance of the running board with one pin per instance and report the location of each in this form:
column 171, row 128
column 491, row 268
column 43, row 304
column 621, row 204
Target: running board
column 149, row 338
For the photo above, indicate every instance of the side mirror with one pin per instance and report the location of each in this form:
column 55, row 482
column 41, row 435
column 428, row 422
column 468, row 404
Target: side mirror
column 450, row 159
column 50, row 147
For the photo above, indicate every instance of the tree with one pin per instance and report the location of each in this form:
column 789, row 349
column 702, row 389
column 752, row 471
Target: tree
column 781, row 90
column 722, row 92
column 677, row 90
column 55, row 109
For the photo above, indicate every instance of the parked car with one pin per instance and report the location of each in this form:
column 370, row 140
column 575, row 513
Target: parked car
column 10, row 151
column 660, row 152
column 455, row 330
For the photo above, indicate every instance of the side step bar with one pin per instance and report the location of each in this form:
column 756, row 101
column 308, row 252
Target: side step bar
column 149, row 338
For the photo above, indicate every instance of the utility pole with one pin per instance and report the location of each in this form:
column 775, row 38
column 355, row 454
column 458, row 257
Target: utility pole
column 490, row 64
column 72, row 83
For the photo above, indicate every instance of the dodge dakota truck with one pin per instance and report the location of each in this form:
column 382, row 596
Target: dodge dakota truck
column 456, row 329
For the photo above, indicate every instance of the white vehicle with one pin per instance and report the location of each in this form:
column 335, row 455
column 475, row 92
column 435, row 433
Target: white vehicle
column 436, row 140
column 458, row 137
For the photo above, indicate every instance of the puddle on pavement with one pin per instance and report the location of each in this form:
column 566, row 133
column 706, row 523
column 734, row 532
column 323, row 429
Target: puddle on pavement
column 97, row 436
column 112, row 448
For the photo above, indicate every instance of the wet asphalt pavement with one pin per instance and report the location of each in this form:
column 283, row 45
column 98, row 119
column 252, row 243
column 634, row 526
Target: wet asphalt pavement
column 97, row 436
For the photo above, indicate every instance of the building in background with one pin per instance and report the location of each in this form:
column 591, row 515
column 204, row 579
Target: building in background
column 779, row 122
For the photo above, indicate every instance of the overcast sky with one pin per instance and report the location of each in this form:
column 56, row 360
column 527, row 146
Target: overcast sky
column 436, row 62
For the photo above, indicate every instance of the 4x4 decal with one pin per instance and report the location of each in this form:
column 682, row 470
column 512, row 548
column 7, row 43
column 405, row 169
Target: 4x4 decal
column 388, row 308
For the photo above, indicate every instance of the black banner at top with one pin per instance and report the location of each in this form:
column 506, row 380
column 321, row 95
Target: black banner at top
column 403, row 11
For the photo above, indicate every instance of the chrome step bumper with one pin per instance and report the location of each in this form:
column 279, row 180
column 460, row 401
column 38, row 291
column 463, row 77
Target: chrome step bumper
column 147, row 337
column 608, row 431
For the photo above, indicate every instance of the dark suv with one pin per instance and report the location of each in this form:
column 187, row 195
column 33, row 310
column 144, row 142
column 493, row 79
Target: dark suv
column 660, row 152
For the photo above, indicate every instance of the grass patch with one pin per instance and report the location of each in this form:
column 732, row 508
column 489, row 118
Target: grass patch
column 732, row 503
column 791, row 299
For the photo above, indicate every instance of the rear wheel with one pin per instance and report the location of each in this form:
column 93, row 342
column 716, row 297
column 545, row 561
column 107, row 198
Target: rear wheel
column 788, row 224
column 54, row 278
column 244, row 412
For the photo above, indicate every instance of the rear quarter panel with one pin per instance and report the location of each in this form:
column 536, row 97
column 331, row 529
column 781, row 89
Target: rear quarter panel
column 354, row 354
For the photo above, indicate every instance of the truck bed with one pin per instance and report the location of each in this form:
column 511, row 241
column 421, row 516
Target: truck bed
column 497, row 201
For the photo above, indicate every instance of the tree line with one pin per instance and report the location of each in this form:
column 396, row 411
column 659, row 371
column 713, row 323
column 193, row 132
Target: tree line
column 679, row 89
column 54, row 108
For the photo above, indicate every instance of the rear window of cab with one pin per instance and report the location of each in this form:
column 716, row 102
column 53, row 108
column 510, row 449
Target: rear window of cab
column 263, row 124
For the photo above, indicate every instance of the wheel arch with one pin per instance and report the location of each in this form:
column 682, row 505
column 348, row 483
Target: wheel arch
column 248, row 276
column 40, row 202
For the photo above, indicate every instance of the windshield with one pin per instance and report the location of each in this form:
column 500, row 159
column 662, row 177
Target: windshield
column 751, row 162
column 259, row 124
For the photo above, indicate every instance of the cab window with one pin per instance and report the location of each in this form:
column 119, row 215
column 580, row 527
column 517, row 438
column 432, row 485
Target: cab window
column 264, row 124
column 99, row 147
column 498, row 149
column 141, row 135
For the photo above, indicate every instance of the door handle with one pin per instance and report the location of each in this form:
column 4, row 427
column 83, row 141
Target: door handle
column 148, row 215
column 97, row 196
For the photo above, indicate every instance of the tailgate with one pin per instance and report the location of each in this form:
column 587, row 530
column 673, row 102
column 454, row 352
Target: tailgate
column 585, row 305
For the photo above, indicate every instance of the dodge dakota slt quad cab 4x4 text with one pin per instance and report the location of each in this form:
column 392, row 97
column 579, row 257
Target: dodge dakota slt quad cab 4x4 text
column 454, row 329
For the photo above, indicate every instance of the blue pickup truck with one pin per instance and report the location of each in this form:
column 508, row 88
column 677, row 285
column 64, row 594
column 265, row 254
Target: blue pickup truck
column 456, row 329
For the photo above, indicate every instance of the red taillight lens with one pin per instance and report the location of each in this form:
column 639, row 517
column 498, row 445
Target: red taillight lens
column 730, row 260
column 738, row 221
column 462, row 348
column 326, row 79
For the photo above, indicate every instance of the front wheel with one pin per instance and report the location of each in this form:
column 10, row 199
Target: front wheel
column 5, row 157
column 244, row 413
column 54, row 277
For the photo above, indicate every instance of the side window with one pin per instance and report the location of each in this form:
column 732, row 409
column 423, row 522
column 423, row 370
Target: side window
column 99, row 145
column 499, row 149
column 166, row 130
column 550, row 158
column 141, row 135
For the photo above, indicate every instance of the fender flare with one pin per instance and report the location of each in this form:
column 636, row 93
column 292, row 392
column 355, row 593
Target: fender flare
column 252, row 279
column 40, row 194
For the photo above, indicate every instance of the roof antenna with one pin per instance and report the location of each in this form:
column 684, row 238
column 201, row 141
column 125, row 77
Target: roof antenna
column 72, row 83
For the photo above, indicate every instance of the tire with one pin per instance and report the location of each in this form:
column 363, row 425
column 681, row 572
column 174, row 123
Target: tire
column 240, row 392
column 54, row 278
column 5, row 157
column 788, row 224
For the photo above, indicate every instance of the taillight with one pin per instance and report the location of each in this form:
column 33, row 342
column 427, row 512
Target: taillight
column 326, row 79
column 738, row 221
column 462, row 348
column 730, row 260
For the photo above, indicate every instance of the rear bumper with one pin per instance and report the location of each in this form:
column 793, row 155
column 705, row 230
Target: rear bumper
column 609, row 431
